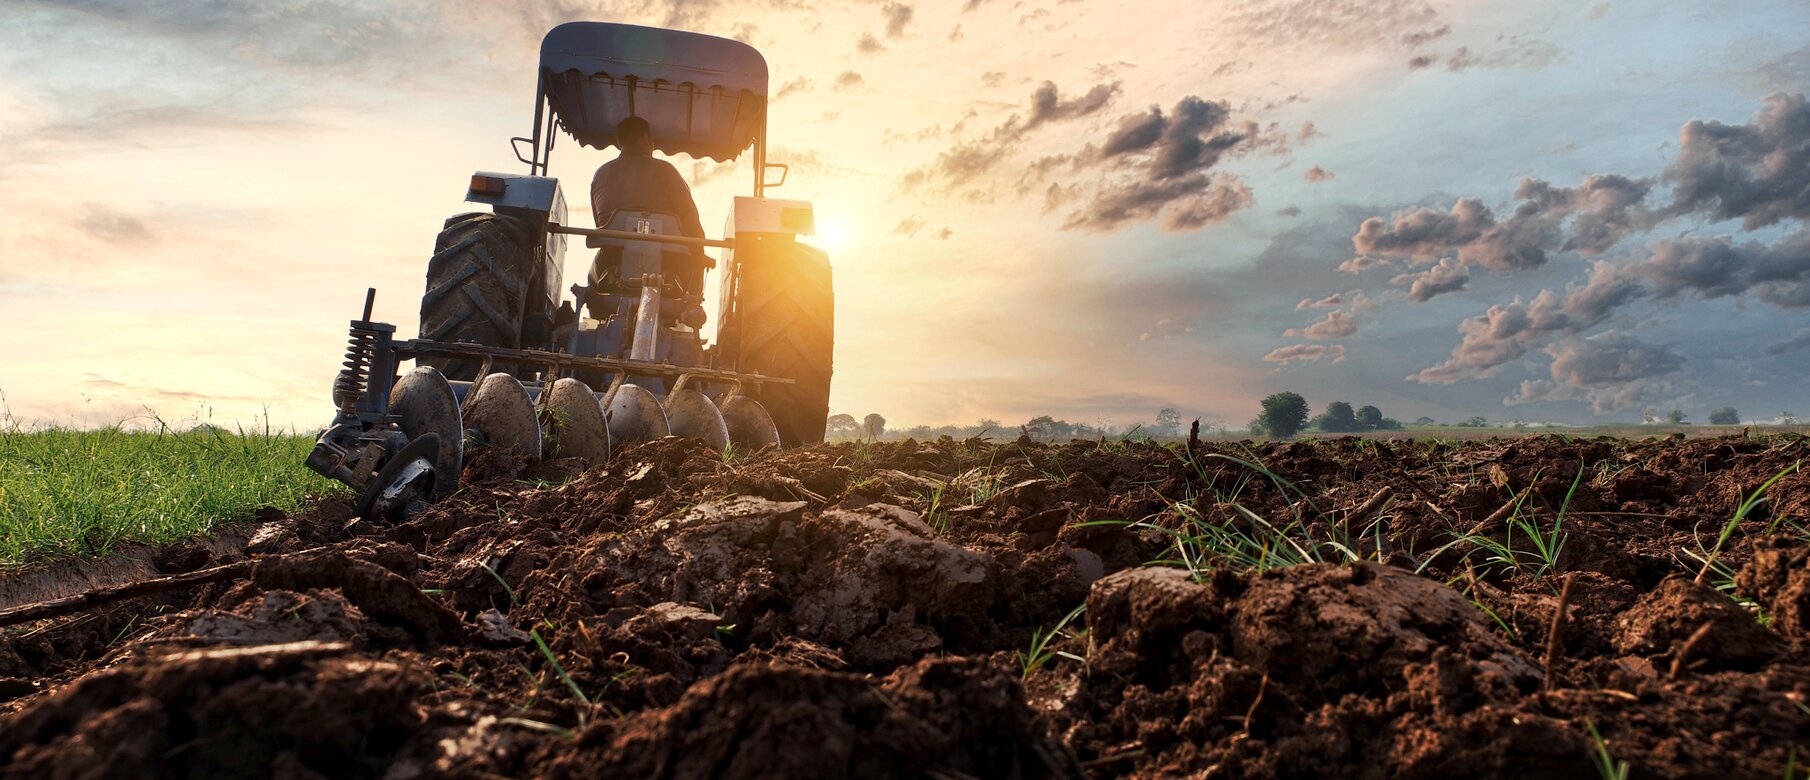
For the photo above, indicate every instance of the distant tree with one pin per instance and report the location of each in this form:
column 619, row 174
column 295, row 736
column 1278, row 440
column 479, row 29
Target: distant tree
column 1370, row 417
column 1284, row 415
column 1725, row 416
column 1389, row 424
column 1168, row 422
column 1041, row 427
column 1675, row 417
column 841, row 426
column 1338, row 418
column 1425, row 421
column 1474, row 422
column 1256, row 426
column 874, row 425
column 988, row 424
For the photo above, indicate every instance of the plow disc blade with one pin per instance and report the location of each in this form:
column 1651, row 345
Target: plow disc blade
column 750, row 427
column 499, row 413
column 424, row 403
column 632, row 414
column 403, row 484
column 692, row 415
column 575, row 426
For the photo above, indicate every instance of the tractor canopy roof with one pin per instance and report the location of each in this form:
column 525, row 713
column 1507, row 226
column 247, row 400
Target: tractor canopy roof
column 703, row 96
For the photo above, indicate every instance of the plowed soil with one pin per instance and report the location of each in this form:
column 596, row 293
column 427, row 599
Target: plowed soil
column 871, row 611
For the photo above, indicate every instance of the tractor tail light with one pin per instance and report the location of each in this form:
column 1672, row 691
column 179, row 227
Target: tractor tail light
column 487, row 185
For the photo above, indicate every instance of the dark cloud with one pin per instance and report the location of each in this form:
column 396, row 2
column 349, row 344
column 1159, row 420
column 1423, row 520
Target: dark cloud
column 1337, row 325
column 1421, row 61
column 1316, row 174
column 108, row 224
column 1305, row 353
column 898, row 17
column 1047, row 104
column 1758, row 172
column 1447, row 276
column 1778, row 274
column 868, row 44
column 1185, row 204
column 849, row 79
column 1160, row 164
column 1602, row 211
column 1289, row 211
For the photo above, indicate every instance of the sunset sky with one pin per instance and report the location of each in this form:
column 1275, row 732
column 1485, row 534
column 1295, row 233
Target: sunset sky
column 1560, row 211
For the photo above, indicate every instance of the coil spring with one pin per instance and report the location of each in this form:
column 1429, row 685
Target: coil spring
column 349, row 386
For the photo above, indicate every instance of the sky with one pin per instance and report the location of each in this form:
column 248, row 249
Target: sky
column 1544, row 211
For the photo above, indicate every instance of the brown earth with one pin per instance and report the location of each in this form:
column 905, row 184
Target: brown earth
column 868, row 610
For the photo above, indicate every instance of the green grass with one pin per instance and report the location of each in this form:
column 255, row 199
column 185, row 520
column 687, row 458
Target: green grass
column 85, row 492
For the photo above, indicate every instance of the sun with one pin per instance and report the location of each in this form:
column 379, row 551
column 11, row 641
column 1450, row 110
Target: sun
column 834, row 233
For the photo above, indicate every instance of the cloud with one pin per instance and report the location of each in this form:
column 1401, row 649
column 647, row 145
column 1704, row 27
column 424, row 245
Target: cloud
column 108, row 224
column 1320, row 25
column 1305, row 353
column 1710, row 268
column 1758, row 172
column 792, row 87
column 1519, row 53
column 1328, row 302
column 971, row 158
column 1316, row 174
column 1447, row 276
column 908, row 226
column 849, row 79
column 1421, row 61
column 898, row 17
column 1778, row 274
column 868, row 44
column 1799, row 341
column 1613, row 372
column 1185, row 204
column 1047, row 104
column 1160, row 164
column 1602, row 211
column 1337, row 325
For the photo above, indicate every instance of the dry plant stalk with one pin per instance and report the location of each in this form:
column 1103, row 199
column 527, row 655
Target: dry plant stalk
column 1680, row 661
column 1557, row 628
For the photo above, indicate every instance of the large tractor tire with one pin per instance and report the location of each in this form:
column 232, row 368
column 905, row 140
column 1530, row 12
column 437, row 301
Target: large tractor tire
column 787, row 312
column 477, row 288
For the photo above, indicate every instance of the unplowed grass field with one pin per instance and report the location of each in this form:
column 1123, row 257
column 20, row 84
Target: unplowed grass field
column 70, row 493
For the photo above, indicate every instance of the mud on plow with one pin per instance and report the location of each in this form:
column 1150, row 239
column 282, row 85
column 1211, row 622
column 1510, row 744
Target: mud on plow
column 503, row 362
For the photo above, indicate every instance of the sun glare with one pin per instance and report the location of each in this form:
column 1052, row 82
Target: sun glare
column 833, row 233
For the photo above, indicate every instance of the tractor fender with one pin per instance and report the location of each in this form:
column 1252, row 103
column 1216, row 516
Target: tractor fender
column 537, row 199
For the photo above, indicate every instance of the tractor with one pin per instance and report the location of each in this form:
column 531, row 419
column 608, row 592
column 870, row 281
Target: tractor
column 502, row 361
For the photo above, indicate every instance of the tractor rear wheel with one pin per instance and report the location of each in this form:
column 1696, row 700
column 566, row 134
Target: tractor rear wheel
column 787, row 324
column 477, row 287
